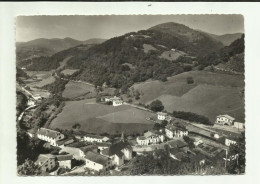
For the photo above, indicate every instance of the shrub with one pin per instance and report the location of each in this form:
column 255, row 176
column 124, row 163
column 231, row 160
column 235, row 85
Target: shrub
column 189, row 116
column 190, row 80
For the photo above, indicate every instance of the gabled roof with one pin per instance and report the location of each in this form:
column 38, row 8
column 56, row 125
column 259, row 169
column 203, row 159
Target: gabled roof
column 42, row 158
column 227, row 116
column 103, row 144
column 115, row 148
column 97, row 158
column 119, row 154
column 94, row 136
column 48, row 132
column 64, row 157
column 162, row 113
column 177, row 144
column 86, row 149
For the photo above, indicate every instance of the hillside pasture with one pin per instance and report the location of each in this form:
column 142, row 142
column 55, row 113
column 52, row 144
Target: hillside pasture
column 68, row 71
column 211, row 94
column 45, row 77
column 148, row 47
column 93, row 119
column 77, row 89
column 172, row 55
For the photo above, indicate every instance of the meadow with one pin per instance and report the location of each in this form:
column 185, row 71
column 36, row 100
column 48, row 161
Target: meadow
column 211, row 94
column 77, row 89
column 99, row 118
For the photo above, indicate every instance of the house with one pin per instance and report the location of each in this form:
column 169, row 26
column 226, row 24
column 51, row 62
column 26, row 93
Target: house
column 103, row 145
column 228, row 142
column 161, row 115
column 50, row 136
column 79, row 153
column 173, row 131
column 30, row 102
column 46, row 162
column 64, row 160
column 31, row 132
column 198, row 142
column 65, row 142
column 118, row 152
column 95, row 138
column 97, row 162
column 239, row 125
column 116, row 101
column 224, row 120
column 150, row 137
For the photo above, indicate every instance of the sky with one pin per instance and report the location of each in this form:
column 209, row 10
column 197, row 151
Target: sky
column 108, row 26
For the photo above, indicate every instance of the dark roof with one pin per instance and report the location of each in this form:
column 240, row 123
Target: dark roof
column 65, row 141
column 44, row 157
column 48, row 132
column 103, row 144
column 94, row 136
column 86, row 149
column 174, row 151
column 95, row 157
column 177, row 144
column 64, row 157
column 115, row 148
column 120, row 154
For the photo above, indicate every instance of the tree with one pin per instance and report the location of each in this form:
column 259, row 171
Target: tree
column 156, row 126
column 237, row 151
column 28, row 168
column 190, row 80
column 156, row 106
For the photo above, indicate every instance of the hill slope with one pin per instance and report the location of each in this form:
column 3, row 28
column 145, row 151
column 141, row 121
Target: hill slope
column 227, row 39
column 48, row 47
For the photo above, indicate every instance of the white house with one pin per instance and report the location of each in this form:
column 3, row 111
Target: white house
column 150, row 138
column 161, row 115
column 46, row 162
column 224, row 120
column 50, row 136
column 118, row 152
column 172, row 131
column 95, row 138
column 239, row 125
column 228, row 142
column 97, row 162
column 117, row 101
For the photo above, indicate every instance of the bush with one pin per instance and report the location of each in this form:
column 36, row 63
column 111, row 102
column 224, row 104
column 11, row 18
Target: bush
column 190, row 80
column 156, row 106
column 189, row 116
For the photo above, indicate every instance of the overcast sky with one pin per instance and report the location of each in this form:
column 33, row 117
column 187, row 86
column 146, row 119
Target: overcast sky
column 86, row 27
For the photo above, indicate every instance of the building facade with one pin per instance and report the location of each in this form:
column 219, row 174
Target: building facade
column 97, row 162
column 150, row 138
column 172, row 131
column 224, row 120
column 46, row 162
column 50, row 136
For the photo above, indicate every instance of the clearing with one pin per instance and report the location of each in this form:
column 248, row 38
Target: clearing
column 77, row 89
column 69, row 71
column 99, row 118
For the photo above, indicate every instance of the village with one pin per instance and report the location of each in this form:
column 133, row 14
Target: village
column 96, row 153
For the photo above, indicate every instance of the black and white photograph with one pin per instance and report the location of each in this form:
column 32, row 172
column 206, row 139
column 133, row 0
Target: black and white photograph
column 127, row 95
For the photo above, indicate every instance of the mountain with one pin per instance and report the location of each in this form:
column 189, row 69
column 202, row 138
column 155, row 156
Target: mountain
column 227, row 39
column 48, row 47
column 224, row 54
column 156, row 53
column 203, row 41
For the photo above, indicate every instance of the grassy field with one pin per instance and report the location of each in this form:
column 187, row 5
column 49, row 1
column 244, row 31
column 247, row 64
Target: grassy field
column 45, row 76
column 148, row 47
column 172, row 55
column 99, row 118
column 76, row 89
column 68, row 71
column 210, row 95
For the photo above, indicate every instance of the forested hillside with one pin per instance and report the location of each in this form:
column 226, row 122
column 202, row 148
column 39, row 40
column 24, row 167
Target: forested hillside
column 223, row 55
column 157, row 53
